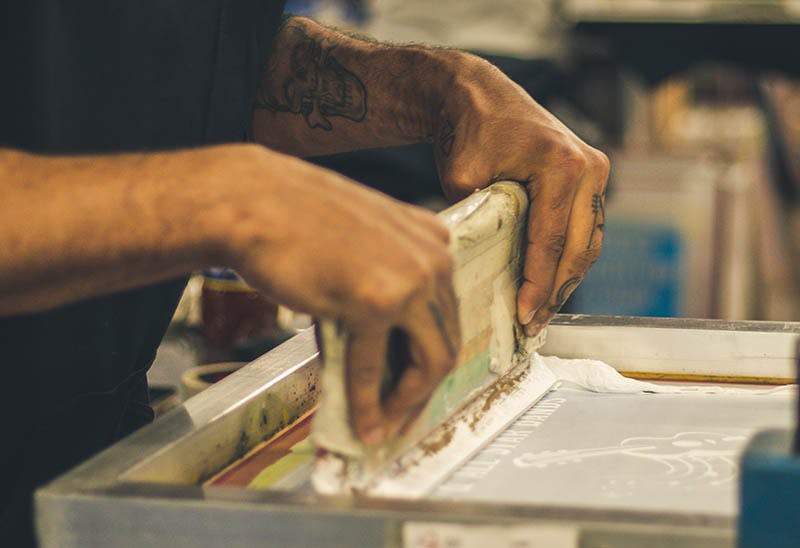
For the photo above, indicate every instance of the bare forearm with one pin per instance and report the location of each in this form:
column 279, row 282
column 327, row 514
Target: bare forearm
column 76, row 227
column 324, row 92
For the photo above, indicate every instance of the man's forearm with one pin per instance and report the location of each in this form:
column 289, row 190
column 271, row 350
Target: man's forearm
column 324, row 92
column 77, row 227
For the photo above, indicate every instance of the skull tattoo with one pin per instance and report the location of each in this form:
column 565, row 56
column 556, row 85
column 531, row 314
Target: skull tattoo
column 318, row 86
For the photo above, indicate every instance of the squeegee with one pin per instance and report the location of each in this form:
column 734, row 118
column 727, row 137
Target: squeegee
column 489, row 387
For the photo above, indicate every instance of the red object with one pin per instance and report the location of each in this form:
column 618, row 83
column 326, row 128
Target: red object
column 233, row 312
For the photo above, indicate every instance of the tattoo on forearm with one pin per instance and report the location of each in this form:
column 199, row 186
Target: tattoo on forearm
column 564, row 292
column 447, row 138
column 438, row 319
column 318, row 86
column 599, row 211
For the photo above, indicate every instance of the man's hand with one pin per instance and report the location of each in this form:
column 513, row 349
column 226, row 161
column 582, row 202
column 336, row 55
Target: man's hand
column 82, row 226
column 490, row 129
column 344, row 252
column 327, row 92
column 324, row 92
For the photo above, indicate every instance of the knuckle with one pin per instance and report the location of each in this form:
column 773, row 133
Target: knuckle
column 601, row 161
column 443, row 264
column 430, row 269
column 437, row 227
column 554, row 245
column 584, row 260
column 460, row 178
column 571, row 161
column 599, row 165
column 441, row 228
column 424, row 273
column 379, row 305
column 382, row 300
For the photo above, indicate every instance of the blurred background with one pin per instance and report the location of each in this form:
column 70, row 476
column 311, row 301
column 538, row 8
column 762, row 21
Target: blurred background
column 697, row 103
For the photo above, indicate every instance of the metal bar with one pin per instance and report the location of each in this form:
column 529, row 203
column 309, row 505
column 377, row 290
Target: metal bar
column 714, row 349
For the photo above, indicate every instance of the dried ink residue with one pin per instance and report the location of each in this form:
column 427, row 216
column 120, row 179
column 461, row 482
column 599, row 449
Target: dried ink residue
column 444, row 437
column 498, row 390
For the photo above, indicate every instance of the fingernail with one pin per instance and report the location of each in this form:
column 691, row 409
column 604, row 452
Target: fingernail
column 373, row 436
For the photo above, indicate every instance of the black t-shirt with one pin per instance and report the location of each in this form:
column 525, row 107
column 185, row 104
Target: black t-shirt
column 106, row 76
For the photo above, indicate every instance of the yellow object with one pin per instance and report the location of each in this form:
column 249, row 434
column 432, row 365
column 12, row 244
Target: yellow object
column 300, row 454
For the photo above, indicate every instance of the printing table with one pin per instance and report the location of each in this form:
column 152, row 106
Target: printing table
column 148, row 489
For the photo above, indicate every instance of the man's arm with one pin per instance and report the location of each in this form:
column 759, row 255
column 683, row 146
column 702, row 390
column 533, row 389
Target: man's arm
column 324, row 91
column 78, row 227
column 81, row 226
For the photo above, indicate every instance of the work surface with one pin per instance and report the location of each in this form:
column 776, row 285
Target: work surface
column 146, row 490
column 662, row 452
column 675, row 453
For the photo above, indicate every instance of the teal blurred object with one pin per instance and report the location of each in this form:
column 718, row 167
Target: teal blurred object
column 769, row 500
column 641, row 273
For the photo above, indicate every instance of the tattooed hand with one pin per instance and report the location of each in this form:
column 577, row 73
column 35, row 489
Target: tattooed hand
column 489, row 130
column 324, row 92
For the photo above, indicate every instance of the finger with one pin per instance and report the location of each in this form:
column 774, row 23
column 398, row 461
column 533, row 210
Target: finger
column 411, row 393
column 548, row 219
column 584, row 244
column 435, row 338
column 366, row 354
column 448, row 318
column 411, row 418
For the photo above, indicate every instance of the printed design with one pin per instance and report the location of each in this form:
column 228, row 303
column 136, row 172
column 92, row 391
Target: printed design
column 690, row 459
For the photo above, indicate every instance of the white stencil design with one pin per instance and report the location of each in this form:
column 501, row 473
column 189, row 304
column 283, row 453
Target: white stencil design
column 689, row 458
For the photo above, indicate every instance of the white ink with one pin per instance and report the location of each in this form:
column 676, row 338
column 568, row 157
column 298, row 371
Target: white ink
column 690, row 459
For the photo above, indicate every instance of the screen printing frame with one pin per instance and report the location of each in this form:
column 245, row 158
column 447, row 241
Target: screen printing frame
column 146, row 490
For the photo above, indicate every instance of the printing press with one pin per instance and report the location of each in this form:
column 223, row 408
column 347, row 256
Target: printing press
column 509, row 452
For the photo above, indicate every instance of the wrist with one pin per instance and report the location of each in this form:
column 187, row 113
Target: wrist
column 415, row 84
column 251, row 189
column 219, row 203
column 459, row 87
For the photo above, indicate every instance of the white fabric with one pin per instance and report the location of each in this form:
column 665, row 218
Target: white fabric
column 597, row 376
